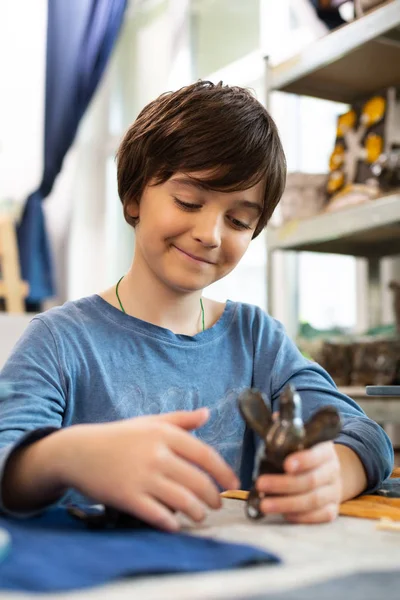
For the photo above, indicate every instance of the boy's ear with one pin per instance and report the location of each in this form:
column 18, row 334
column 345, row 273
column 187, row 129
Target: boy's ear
column 132, row 209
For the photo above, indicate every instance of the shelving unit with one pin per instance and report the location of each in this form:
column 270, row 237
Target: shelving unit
column 352, row 61
column 369, row 230
column 357, row 59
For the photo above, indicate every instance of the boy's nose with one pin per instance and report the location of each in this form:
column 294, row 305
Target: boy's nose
column 207, row 230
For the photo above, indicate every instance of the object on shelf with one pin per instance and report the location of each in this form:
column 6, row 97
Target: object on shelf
column 354, row 194
column 357, row 361
column 386, row 169
column 336, row 358
column 308, row 332
column 376, row 362
column 364, row 154
column 395, row 287
column 328, row 12
column 310, row 341
column 361, row 7
column 304, row 197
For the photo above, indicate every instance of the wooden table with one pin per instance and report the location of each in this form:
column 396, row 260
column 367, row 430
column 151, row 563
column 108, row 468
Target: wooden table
column 310, row 554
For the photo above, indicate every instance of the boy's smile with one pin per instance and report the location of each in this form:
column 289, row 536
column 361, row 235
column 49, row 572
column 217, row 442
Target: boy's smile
column 188, row 236
column 192, row 257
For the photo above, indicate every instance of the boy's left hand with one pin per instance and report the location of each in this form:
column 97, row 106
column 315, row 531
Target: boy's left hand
column 309, row 491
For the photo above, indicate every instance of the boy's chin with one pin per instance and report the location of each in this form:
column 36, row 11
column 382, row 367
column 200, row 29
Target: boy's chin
column 186, row 289
column 186, row 286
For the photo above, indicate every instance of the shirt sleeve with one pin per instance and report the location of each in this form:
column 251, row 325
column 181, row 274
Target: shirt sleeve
column 317, row 389
column 35, row 403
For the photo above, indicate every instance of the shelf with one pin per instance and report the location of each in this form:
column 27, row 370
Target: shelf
column 371, row 229
column 382, row 409
column 352, row 61
column 357, row 392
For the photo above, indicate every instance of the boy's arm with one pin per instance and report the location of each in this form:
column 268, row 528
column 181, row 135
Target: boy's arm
column 352, row 472
column 35, row 404
column 365, row 438
column 147, row 466
column 31, row 479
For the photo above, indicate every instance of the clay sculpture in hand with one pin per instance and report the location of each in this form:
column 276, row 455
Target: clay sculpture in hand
column 284, row 435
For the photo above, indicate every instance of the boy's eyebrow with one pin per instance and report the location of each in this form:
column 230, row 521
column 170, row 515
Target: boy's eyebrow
column 188, row 182
column 192, row 183
column 248, row 204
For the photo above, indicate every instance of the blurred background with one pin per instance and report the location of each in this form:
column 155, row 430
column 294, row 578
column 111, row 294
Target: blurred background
column 75, row 74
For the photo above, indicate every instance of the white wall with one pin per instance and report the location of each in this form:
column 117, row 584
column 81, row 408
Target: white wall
column 22, row 75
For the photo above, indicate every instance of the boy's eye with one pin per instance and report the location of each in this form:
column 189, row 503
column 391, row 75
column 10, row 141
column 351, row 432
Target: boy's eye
column 191, row 206
column 187, row 205
column 239, row 224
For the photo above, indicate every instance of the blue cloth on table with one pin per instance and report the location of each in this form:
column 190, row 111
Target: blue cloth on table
column 54, row 552
column 389, row 488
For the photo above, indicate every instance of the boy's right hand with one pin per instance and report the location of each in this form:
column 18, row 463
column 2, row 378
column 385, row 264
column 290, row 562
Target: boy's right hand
column 147, row 466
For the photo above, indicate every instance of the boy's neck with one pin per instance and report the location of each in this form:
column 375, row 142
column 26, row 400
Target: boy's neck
column 146, row 298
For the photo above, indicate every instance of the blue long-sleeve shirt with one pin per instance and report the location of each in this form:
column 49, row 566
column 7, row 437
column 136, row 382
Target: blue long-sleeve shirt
column 87, row 362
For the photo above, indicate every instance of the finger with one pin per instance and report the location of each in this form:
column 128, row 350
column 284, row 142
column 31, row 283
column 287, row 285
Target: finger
column 325, row 514
column 300, row 503
column 153, row 512
column 305, row 460
column 201, row 454
column 301, row 483
column 198, row 482
column 186, row 419
column 179, row 498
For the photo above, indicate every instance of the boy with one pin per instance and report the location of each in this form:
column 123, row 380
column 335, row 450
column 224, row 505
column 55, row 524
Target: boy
column 106, row 388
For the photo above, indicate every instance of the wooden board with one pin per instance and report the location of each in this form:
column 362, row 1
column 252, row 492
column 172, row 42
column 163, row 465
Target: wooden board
column 12, row 288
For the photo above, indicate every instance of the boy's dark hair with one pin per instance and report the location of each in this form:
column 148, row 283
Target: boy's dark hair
column 207, row 127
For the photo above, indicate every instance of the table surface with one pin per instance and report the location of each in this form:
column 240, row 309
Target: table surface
column 310, row 554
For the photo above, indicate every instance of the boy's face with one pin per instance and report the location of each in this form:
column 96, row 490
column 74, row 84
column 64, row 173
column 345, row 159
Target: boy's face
column 189, row 237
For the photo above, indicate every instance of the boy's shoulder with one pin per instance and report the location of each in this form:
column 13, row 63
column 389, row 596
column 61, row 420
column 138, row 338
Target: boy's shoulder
column 72, row 314
column 251, row 322
column 257, row 316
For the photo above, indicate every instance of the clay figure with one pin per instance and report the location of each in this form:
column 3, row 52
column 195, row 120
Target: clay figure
column 284, row 435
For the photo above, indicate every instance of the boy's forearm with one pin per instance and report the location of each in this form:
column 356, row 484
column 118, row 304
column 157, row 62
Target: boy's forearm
column 31, row 478
column 354, row 478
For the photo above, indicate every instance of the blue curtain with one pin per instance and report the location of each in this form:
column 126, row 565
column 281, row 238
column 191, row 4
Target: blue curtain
column 80, row 37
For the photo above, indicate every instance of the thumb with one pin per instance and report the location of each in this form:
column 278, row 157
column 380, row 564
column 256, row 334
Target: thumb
column 187, row 419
